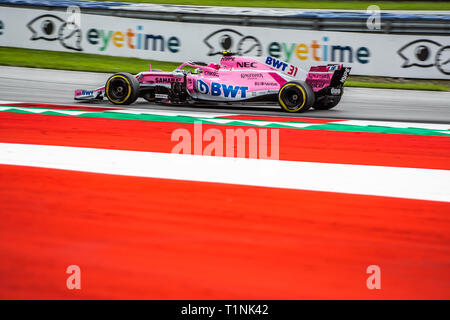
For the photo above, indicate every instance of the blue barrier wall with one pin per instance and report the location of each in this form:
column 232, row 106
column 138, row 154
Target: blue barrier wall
column 301, row 13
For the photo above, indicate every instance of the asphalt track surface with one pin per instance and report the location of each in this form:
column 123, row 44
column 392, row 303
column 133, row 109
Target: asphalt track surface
column 56, row 86
column 154, row 237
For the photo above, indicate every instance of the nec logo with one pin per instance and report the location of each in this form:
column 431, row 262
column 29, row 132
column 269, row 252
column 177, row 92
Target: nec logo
column 246, row 64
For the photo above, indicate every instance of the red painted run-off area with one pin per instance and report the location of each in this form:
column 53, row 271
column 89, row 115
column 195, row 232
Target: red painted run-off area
column 163, row 239
column 295, row 144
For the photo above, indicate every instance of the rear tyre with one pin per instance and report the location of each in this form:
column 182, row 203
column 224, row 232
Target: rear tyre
column 122, row 88
column 327, row 102
column 296, row 97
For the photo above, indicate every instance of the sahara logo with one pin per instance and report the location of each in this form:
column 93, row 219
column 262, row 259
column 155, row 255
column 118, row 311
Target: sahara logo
column 49, row 27
column 231, row 40
column 424, row 54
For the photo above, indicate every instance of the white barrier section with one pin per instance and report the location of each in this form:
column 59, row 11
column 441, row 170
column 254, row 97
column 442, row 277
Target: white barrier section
column 408, row 56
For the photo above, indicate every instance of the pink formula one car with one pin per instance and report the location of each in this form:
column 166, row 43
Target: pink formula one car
column 234, row 79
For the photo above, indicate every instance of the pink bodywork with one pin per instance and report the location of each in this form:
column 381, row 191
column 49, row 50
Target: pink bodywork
column 235, row 78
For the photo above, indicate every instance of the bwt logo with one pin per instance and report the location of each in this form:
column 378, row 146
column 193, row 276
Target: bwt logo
column 277, row 64
column 202, row 87
column 219, row 89
column 424, row 54
column 231, row 40
column 51, row 28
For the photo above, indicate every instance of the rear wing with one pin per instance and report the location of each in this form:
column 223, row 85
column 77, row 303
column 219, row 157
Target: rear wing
column 332, row 75
column 340, row 75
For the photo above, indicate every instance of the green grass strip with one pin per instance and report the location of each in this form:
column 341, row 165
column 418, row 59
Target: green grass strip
column 77, row 61
column 110, row 64
column 403, row 86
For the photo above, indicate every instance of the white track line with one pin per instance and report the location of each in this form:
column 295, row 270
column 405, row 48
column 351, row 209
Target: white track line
column 8, row 102
column 41, row 110
column 426, row 184
column 395, row 124
column 173, row 113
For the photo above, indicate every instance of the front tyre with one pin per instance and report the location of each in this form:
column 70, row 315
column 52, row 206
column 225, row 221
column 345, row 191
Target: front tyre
column 149, row 96
column 122, row 88
column 296, row 97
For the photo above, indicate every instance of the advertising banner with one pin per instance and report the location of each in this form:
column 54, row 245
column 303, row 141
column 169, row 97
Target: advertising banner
column 407, row 56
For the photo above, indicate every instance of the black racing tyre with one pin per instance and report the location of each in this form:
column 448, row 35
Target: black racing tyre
column 149, row 96
column 296, row 96
column 122, row 88
column 327, row 102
